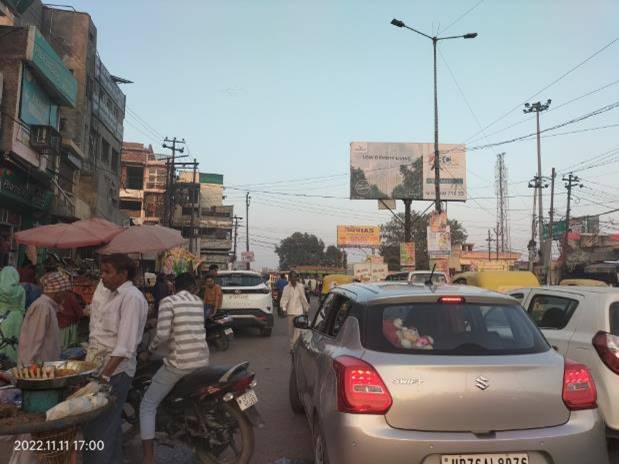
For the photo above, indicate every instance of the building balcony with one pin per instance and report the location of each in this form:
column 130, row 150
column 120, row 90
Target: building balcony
column 131, row 194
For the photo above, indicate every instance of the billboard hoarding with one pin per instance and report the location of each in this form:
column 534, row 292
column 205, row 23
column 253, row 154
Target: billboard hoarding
column 407, row 254
column 247, row 256
column 358, row 236
column 439, row 243
column 406, row 171
column 368, row 272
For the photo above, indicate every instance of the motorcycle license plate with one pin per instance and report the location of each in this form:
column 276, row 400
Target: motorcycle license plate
column 228, row 331
column 247, row 400
column 510, row 458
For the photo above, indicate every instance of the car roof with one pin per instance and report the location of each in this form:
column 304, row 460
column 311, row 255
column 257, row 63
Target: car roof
column 376, row 292
column 574, row 290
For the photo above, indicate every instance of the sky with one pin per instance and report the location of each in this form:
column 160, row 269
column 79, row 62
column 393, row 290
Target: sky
column 271, row 93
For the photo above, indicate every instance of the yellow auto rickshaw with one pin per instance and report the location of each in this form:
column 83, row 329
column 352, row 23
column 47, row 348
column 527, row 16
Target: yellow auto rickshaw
column 333, row 280
column 497, row 281
column 583, row 283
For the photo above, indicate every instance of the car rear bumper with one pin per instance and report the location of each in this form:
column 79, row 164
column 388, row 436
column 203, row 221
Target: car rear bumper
column 250, row 318
column 368, row 439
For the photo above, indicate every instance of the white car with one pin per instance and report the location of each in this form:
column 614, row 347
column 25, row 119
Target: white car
column 247, row 299
column 417, row 277
column 582, row 323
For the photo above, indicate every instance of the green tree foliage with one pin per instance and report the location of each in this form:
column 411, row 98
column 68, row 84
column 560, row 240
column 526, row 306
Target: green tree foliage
column 412, row 183
column 392, row 234
column 302, row 249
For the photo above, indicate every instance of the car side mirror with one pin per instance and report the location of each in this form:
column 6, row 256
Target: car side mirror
column 301, row 322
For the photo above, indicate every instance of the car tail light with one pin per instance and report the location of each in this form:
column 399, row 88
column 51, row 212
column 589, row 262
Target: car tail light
column 607, row 346
column 578, row 387
column 360, row 390
column 451, row 300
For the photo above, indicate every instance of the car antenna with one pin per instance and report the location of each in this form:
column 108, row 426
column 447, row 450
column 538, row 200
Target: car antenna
column 430, row 282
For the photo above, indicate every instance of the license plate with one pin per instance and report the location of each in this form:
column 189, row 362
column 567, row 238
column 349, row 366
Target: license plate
column 228, row 331
column 247, row 400
column 239, row 297
column 510, row 458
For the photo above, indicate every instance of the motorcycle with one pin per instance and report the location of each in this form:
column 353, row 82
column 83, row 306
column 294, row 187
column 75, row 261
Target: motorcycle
column 219, row 331
column 212, row 410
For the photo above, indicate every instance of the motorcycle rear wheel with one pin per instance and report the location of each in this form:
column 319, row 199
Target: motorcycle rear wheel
column 243, row 429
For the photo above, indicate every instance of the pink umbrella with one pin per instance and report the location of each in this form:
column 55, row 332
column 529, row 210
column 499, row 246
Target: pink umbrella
column 84, row 233
column 144, row 239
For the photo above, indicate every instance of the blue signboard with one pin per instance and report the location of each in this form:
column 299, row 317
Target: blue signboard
column 50, row 68
column 36, row 107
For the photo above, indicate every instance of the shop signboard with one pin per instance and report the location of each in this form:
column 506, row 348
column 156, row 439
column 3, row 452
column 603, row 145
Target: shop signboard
column 50, row 68
column 247, row 256
column 36, row 107
column 358, row 236
column 15, row 185
column 406, row 171
column 407, row 255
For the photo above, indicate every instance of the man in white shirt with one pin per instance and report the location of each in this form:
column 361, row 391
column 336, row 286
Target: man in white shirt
column 116, row 328
column 294, row 304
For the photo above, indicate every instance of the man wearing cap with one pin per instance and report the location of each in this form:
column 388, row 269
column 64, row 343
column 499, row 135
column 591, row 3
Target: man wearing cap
column 39, row 339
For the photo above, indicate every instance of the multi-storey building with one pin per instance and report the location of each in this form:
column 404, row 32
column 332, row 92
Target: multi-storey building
column 37, row 176
column 211, row 218
column 142, row 184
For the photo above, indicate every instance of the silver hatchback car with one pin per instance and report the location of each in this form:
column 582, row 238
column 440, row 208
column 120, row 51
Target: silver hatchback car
column 396, row 373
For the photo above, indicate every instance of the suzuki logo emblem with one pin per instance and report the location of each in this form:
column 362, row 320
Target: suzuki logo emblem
column 482, row 383
column 237, row 292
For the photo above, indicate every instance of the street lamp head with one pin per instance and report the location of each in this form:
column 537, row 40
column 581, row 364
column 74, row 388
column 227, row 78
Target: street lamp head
column 470, row 35
column 397, row 23
column 527, row 105
column 549, row 101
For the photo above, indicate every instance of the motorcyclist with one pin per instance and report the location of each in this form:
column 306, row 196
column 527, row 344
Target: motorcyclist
column 180, row 326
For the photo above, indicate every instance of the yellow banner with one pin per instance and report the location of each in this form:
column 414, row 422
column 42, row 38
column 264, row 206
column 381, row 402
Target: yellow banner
column 358, row 236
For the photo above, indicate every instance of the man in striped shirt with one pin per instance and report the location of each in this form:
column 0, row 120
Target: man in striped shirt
column 180, row 325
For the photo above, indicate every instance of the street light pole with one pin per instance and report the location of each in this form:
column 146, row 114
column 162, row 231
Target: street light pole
column 437, row 161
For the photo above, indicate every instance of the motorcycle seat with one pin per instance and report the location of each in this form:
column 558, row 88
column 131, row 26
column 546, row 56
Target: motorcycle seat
column 209, row 375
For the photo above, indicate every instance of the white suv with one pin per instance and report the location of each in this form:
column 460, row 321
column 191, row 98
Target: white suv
column 417, row 277
column 582, row 323
column 247, row 299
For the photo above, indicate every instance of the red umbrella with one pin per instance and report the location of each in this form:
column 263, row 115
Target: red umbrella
column 84, row 233
column 144, row 239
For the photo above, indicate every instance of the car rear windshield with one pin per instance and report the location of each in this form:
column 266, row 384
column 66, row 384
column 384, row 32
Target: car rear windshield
column 614, row 318
column 238, row 280
column 462, row 329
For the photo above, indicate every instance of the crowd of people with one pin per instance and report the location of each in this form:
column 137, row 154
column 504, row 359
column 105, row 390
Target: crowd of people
column 39, row 318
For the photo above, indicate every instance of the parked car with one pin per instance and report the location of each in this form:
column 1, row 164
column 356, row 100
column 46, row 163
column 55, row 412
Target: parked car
column 497, row 281
column 395, row 373
column 247, row 299
column 417, row 277
column 582, row 323
column 583, row 283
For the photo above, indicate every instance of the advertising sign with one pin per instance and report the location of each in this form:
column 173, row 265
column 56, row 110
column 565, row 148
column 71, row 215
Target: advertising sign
column 407, row 254
column 406, row 171
column 368, row 272
column 36, row 108
column 358, row 236
column 247, row 256
column 439, row 235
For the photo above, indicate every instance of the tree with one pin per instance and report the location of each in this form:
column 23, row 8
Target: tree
column 392, row 234
column 333, row 257
column 300, row 249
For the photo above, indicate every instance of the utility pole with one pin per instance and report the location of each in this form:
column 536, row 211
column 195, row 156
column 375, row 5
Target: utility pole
column 571, row 181
column 532, row 245
column 489, row 240
column 537, row 108
column 538, row 184
column 169, row 206
column 496, row 233
column 195, row 194
column 550, row 226
column 236, row 235
column 247, row 198
column 502, row 202
column 407, row 220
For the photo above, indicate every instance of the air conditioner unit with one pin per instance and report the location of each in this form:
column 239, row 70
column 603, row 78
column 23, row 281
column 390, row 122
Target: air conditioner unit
column 45, row 138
